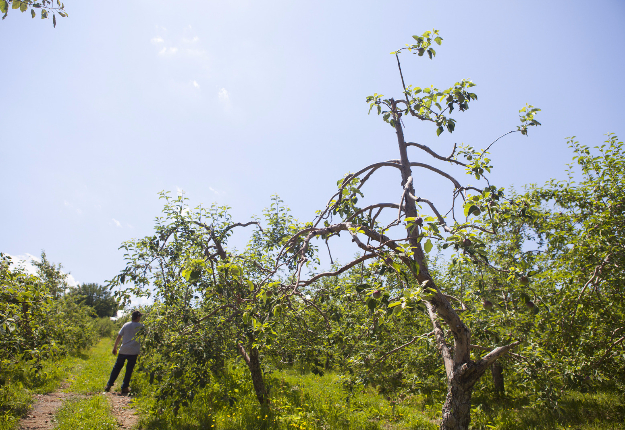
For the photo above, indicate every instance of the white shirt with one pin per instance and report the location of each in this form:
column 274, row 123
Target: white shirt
column 129, row 345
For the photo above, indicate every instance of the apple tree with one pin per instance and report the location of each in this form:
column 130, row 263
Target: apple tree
column 211, row 302
column 400, row 240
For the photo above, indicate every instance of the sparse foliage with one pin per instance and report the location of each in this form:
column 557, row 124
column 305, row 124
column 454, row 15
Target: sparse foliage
column 46, row 8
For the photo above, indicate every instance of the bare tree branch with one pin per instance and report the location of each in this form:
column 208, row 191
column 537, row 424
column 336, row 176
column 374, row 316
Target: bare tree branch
column 608, row 351
column 337, row 272
column 511, row 354
column 440, row 172
column 347, row 180
column 474, row 372
column 239, row 224
column 399, row 348
column 311, row 303
column 435, row 155
column 441, row 220
column 379, row 205
column 488, row 147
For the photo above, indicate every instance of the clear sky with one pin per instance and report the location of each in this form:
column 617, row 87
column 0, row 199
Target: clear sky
column 234, row 101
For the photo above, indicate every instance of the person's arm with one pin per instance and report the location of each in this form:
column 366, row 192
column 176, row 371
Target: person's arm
column 119, row 339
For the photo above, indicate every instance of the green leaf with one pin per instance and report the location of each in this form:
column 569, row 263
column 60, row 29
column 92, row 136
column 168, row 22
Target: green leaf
column 192, row 275
column 439, row 130
column 54, row 20
column 438, row 40
column 23, row 6
column 4, row 6
column 360, row 288
column 469, row 208
column 277, row 310
column 428, row 246
column 16, row 4
column 392, row 305
column 32, row 13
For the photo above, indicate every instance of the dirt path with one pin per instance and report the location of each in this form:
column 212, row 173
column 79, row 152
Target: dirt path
column 121, row 408
column 84, row 382
column 41, row 416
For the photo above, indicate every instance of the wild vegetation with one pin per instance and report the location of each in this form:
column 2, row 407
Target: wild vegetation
column 504, row 311
column 44, row 326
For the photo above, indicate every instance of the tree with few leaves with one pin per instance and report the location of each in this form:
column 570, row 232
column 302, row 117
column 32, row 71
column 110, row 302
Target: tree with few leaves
column 422, row 224
column 47, row 8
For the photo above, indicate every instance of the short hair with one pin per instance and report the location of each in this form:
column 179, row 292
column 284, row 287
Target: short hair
column 136, row 314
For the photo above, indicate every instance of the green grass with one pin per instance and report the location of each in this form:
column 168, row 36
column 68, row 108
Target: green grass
column 16, row 394
column 578, row 411
column 86, row 373
column 92, row 413
column 297, row 402
column 306, row 401
column 91, row 375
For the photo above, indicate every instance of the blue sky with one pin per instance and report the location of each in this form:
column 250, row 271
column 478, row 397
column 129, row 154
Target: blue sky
column 234, row 101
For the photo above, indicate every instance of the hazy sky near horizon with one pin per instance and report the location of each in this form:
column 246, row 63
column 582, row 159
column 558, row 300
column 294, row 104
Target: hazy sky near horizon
column 234, row 101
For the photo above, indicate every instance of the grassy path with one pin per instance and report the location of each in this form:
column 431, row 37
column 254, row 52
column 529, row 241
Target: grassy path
column 80, row 402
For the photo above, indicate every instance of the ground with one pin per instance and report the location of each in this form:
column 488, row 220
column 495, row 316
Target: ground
column 80, row 402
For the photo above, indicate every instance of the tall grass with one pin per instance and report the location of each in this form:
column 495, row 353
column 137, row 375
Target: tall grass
column 298, row 401
column 307, row 401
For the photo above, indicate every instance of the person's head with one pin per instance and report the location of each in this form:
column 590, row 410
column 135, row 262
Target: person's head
column 136, row 316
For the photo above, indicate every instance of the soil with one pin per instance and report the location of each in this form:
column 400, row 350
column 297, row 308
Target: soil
column 121, row 408
column 41, row 416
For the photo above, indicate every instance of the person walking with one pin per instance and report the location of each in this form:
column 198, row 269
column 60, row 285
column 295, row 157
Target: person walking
column 128, row 351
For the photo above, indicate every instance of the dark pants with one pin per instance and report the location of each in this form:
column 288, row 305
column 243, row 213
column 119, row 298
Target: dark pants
column 121, row 358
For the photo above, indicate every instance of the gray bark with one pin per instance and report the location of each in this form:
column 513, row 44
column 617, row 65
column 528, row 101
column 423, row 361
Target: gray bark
column 498, row 382
column 253, row 363
column 457, row 407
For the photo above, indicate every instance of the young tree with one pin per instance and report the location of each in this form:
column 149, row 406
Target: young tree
column 406, row 255
column 51, row 275
column 211, row 301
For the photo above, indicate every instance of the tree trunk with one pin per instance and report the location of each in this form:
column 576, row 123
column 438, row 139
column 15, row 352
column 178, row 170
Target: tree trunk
column 253, row 363
column 497, row 371
column 457, row 407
